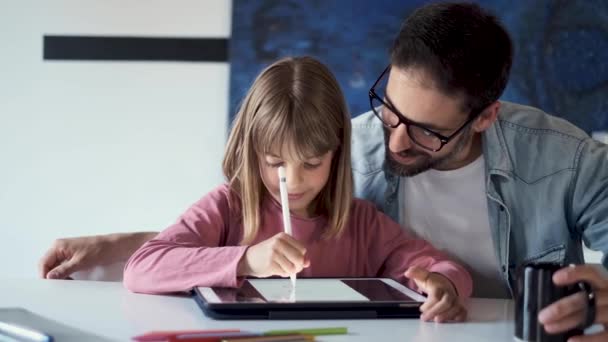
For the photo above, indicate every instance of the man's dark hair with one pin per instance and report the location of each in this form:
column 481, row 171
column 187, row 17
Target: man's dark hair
column 464, row 49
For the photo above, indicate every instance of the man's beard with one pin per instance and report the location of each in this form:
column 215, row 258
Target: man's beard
column 424, row 161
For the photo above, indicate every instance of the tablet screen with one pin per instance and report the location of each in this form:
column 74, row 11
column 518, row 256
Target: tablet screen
column 313, row 290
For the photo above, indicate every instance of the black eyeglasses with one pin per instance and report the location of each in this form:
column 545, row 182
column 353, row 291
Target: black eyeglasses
column 419, row 134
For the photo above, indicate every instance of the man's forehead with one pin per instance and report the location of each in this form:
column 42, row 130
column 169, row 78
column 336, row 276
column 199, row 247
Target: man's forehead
column 414, row 94
column 413, row 77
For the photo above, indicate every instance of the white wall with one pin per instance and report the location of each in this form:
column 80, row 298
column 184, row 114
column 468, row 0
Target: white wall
column 100, row 147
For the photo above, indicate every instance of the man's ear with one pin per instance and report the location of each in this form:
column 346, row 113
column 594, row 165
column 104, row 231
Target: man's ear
column 487, row 117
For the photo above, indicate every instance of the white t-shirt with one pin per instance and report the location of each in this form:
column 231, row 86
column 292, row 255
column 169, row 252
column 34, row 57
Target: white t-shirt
column 450, row 210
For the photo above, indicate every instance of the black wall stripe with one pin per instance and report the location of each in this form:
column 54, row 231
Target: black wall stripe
column 98, row 48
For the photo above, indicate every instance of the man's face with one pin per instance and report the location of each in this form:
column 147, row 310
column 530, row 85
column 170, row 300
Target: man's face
column 413, row 95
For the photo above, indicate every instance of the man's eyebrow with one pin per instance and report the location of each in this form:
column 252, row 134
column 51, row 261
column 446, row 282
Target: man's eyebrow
column 430, row 126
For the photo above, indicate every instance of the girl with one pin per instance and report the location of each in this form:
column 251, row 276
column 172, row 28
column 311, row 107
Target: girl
column 293, row 116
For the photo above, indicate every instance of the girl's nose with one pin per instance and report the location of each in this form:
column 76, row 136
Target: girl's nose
column 294, row 176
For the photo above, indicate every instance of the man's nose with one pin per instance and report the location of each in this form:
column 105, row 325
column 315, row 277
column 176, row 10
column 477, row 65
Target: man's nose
column 399, row 140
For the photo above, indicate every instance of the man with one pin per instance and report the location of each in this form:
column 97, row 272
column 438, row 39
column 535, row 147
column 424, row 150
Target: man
column 494, row 184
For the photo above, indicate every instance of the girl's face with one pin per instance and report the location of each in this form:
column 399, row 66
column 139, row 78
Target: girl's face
column 305, row 179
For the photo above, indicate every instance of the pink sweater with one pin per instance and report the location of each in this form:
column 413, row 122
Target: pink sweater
column 202, row 248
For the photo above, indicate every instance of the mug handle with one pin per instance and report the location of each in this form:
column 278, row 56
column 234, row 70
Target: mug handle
column 591, row 310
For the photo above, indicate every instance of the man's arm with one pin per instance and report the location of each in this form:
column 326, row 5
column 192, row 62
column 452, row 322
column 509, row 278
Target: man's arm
column 70, row 255
column 590, row 196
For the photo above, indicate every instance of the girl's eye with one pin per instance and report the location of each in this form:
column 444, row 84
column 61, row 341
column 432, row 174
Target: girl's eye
column 311, row 166
column 275, row 165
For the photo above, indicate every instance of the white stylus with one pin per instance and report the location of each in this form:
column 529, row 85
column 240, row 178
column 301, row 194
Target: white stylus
column 285, row 207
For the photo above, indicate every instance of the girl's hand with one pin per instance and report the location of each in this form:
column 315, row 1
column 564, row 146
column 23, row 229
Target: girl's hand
column 280, row 255
column 442, row 304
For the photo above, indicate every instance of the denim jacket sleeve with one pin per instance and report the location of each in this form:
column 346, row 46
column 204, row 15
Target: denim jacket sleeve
column 590, row 196
column 367, row 159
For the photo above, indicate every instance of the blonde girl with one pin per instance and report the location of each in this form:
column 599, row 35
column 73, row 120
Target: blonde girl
column 293, row 116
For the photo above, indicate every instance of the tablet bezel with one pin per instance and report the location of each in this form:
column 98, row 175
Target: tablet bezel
column 212, row 301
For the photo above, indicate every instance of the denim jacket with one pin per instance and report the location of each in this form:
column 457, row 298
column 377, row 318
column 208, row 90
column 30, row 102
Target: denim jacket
column 546, row 185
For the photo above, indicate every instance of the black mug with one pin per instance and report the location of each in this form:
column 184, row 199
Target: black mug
column 535, row 290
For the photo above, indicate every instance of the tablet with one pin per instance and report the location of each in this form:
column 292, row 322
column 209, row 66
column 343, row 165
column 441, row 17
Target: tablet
column 312, row 298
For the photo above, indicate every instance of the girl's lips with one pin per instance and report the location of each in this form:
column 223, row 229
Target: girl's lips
column 295, row 196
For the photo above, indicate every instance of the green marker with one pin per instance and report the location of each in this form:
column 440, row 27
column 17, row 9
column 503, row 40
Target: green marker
column 314, row 332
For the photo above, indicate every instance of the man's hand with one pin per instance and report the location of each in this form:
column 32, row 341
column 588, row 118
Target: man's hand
column 442, row 304
column 569, row 312
column 70, row 255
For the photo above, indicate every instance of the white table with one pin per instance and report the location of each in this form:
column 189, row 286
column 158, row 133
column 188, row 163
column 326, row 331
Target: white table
column 108, row 309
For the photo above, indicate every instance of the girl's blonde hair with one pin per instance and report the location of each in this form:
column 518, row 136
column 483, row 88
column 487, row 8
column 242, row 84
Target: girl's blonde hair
column 298, row 102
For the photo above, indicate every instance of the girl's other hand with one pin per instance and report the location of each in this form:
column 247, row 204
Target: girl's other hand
column 443, row 303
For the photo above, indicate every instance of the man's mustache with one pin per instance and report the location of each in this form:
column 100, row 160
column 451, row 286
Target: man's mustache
column 411, row 153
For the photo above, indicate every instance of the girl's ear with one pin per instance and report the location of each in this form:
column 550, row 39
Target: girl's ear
column 487, row 117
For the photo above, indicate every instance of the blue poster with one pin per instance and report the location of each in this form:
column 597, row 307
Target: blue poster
column 561, row 48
